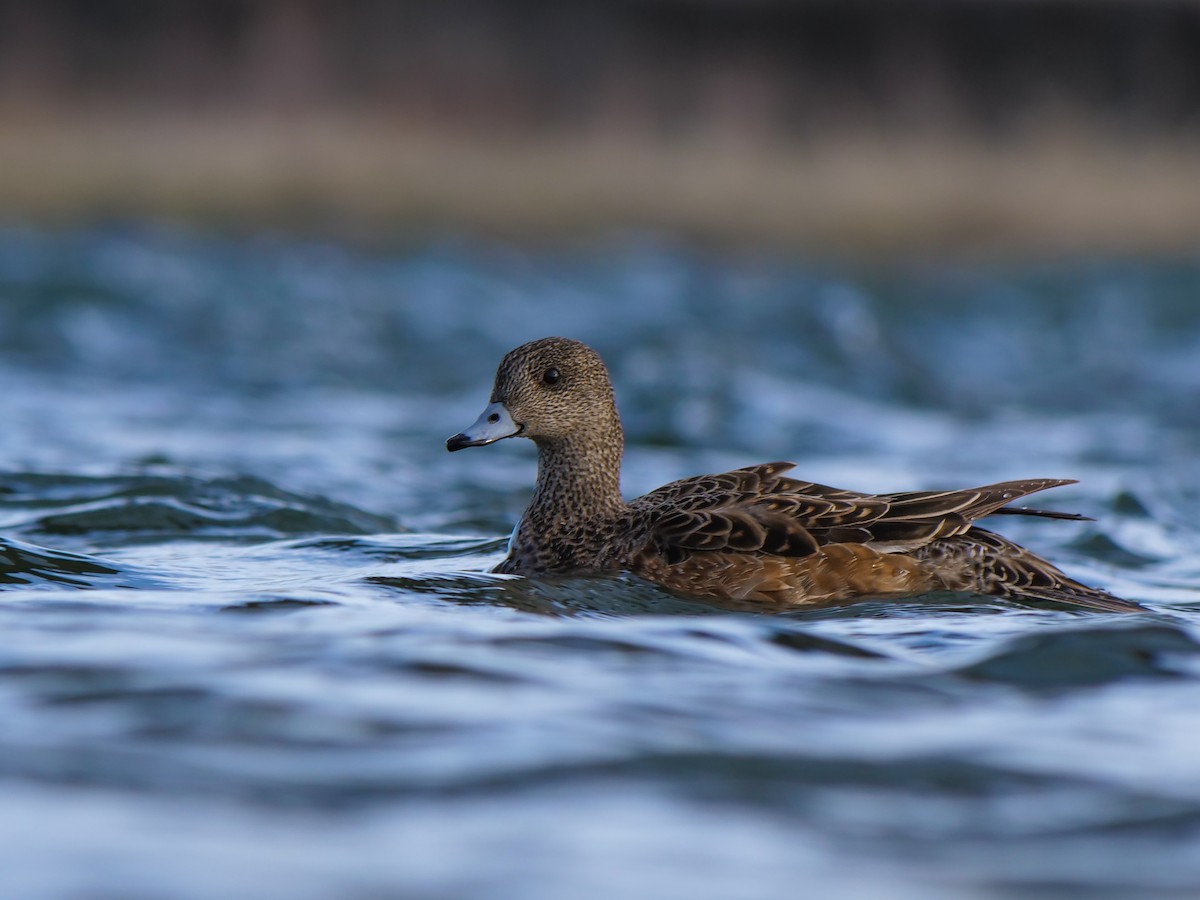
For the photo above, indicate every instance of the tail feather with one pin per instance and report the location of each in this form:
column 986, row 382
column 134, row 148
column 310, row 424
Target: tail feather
column 1041, row 513
column 1082, row 596
column 987, row 563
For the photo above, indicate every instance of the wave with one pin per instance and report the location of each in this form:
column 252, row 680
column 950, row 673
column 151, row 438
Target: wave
column 1083, row 657
column 26, row 566
column 174, row 505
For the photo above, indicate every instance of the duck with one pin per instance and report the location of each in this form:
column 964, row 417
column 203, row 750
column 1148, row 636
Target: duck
column 753, row 537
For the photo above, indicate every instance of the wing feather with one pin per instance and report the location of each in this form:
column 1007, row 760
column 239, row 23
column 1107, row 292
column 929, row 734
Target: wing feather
column 756, row 510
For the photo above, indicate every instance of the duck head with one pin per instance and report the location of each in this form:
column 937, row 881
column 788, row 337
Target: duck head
column 550, row 391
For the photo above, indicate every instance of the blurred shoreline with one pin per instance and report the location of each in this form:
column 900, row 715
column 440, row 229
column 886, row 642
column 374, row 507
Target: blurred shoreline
column 1052, row 191
column 857, row 127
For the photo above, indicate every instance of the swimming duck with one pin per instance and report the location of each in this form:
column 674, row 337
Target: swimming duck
column 752, row 537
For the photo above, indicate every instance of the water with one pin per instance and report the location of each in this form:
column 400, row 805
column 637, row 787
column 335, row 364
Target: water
column 251, row 648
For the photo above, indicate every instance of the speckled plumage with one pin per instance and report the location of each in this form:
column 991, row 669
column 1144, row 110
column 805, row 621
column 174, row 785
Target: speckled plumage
column 750, row 537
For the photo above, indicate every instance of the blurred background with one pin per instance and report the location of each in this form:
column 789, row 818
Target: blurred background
column 856, row 126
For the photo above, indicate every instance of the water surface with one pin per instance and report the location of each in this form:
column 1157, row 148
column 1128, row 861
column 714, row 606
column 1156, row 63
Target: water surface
column 251, row 644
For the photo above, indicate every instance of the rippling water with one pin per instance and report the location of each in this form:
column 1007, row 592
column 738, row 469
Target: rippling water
column 251, row 648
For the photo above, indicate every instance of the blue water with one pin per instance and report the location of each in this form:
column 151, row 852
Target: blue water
column 251, row 649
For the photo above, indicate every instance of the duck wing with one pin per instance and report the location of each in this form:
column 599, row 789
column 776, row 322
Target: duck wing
column 759, row 510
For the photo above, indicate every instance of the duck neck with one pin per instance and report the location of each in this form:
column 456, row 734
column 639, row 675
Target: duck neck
column 578, row 480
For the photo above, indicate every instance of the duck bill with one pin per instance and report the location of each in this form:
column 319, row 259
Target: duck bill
column 494, row 424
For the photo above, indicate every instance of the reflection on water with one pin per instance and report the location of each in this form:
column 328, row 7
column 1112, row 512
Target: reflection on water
column 250, row 637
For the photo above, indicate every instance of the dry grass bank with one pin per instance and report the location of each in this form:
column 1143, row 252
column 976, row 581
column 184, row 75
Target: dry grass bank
column 1050, row 193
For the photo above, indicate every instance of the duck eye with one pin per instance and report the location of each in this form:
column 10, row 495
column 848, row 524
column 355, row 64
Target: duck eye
column 551, row 376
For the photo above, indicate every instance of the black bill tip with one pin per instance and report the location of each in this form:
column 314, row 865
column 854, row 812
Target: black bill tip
column 459, row 441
